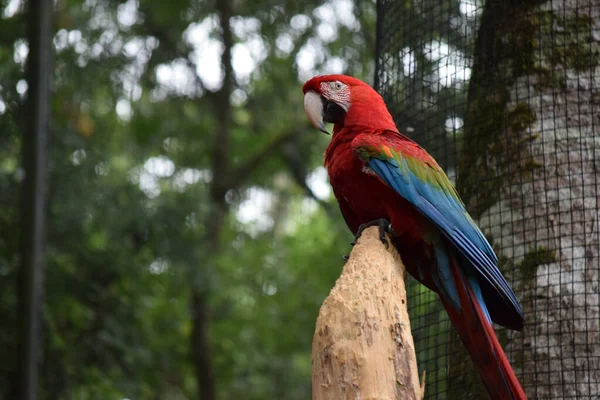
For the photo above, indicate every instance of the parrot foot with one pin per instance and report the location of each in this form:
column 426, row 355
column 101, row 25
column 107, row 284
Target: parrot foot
column 384, row 227
column 346, row 257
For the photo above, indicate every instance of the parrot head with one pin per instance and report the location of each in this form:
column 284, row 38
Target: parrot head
column 344, row 101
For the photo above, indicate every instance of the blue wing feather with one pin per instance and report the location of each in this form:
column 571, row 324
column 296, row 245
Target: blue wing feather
column 452, row 219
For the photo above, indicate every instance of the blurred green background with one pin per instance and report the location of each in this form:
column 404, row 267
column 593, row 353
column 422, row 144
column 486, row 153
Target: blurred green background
column 192, row 234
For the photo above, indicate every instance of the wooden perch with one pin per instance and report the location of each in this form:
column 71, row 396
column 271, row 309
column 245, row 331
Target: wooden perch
column 363, row 346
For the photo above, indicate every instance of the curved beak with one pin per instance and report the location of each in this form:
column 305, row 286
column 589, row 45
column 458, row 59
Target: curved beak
column 313, row 106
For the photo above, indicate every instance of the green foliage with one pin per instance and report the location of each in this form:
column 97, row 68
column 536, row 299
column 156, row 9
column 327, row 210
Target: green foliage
column 131, row 196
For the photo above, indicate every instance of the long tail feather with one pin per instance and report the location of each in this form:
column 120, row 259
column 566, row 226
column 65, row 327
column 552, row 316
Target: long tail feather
column 476, row 332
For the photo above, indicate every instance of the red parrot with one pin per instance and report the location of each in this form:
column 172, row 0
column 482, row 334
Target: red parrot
column 381, row 177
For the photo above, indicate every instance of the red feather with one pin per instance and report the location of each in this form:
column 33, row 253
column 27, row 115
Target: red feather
column 363, row 197
column 479, row 338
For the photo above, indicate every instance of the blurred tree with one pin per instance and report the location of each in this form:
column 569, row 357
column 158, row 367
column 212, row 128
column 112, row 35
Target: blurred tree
column 187, row 211
column 34, row 161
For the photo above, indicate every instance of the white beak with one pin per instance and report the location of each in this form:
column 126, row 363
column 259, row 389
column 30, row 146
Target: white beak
column 313, row 106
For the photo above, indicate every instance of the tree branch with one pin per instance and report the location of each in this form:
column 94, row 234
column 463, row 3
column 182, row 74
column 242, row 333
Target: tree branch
column 363, row 347
column 222, row 103
column 297, row 166
column 241, row 173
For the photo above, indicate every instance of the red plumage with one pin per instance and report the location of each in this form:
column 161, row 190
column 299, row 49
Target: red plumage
column 364, row 196
column 480, row 340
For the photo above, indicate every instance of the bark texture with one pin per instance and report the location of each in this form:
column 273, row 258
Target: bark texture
column 529, row 177
column 363, row 347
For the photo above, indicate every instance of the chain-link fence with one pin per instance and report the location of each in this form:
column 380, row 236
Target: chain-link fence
column 506, row 96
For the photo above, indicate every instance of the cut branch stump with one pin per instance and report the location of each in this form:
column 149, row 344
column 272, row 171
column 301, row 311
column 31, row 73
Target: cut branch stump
column 363, row 346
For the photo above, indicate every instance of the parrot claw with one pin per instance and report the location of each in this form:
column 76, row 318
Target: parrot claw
column 346, row 257
column 384, row 239
column 384, row 227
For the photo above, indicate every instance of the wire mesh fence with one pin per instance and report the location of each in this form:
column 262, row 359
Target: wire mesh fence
column 506, row 96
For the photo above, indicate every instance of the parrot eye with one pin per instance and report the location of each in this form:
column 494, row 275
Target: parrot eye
column 338, row 85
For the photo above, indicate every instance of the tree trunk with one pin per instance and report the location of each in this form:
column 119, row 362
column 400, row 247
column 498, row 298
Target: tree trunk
column 363, row 347
column 529, row 179
column 215, row 220
column 34, row 199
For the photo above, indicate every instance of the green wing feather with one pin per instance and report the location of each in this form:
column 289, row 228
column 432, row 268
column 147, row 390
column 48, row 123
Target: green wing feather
column 404, row 166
